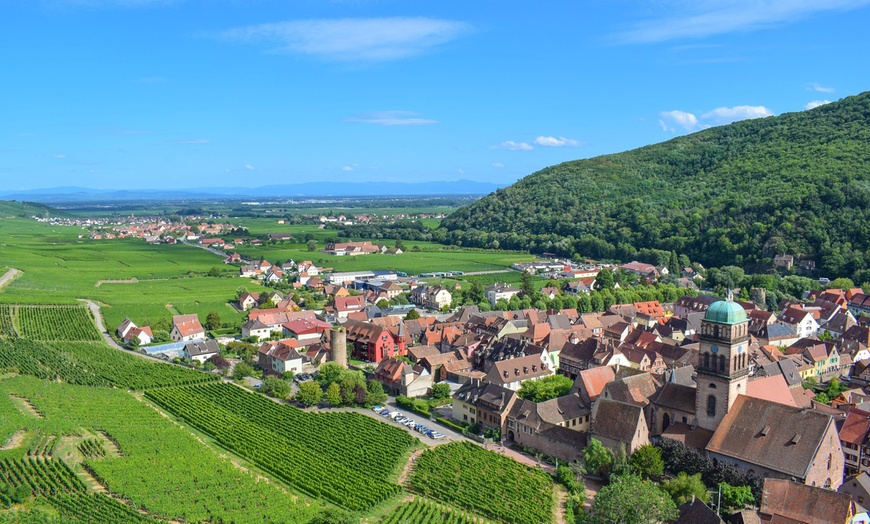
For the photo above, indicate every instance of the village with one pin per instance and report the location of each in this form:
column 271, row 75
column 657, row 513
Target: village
column 773, row 399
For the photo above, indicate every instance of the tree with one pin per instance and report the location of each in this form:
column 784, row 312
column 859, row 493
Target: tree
column 214, row 272
column 309, row 393
column 312, row 245
column 213, row 321
column 598, row 458
column 736, row 497
column 329, row 372
column 440, row 391
column 546, row 388
column 604, row 280
column 647, row 461
column 383, row 303
column 242, row 370
column 333, row 394
column 841, row 283
column 276, row 387
column 631, row 500
column 162, row 336
column 375, row 394
column 526, row 286
column 475, row 294
column 810, row 383
column 412, row 315
column 400, row 245
column 685, row 486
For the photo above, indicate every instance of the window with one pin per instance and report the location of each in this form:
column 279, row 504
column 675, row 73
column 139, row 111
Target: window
column 711, row 407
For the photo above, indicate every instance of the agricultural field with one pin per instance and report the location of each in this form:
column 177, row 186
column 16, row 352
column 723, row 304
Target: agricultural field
column 92, row 364
column 54, row 482
column 422, row 511
column 158, row 465
column 56, row 323
column 509, row 492
column 347, row 458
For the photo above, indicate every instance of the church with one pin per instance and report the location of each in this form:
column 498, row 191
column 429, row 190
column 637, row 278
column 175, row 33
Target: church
column 719, row 412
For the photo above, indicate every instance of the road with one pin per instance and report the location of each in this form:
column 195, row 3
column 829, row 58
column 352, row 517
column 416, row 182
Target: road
column 98, row 319
column 9, row 276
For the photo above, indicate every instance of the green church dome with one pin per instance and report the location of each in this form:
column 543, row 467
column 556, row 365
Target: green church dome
column 725, row 312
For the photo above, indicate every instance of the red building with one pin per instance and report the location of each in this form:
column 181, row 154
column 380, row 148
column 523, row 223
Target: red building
column 374, row 343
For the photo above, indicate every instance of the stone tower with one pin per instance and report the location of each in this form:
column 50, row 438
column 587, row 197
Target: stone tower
column 723, row 362
column 338, row 346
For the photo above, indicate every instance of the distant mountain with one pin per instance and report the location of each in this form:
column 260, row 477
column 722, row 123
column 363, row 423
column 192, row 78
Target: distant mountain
column 738, row 194
column 311, row 189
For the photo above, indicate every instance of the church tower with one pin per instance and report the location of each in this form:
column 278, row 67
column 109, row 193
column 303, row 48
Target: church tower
column 723, row 363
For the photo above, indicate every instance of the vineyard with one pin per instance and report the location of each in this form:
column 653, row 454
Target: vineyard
column 163, row 468
column 56, row 323
column 53, row 481
column 92, row 364
column 424, row 512
column 509, row 491
column 7, row 328
column 346, row 458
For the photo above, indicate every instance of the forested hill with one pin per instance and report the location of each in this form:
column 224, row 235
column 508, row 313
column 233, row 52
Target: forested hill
column 798, row 183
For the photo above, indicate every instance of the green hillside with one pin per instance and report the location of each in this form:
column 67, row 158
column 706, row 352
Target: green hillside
column 738, row 194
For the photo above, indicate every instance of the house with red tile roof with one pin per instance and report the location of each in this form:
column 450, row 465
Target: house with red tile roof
column 186, row 328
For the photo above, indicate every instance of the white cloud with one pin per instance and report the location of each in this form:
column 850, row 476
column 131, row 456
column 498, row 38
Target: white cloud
column 249, row 167
column 726, row 115
column 347, row 168
column 391, row 118
column 352, row 39
column 816, row 103
column 59, row 156
column 671, row 120
column 814, row 86
column 702, row 18
column 514, row 146
column 497, row 165
column 460, row 171
column 551, row 141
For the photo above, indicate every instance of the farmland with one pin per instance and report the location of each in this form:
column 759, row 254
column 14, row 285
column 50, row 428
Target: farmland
column 425, row 512
column 346, row 458
column 158, row 459
column 510, row 491
column 93, row 364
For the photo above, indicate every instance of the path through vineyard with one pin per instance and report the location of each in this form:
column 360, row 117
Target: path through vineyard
column 8, row 277
column 409, row 467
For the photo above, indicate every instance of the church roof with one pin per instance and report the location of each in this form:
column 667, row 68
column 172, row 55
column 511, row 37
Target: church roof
column 725, row 312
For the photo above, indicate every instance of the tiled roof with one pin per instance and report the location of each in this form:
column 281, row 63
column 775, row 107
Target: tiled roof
column 804, row 504
column 677, row 397
column 855, row 427
column 772, row 435
column 616, row 420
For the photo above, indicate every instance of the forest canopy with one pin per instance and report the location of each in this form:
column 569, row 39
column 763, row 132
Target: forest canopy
column 737, row 195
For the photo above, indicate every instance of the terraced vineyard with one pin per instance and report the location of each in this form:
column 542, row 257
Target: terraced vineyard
column 92, row 364
column 53, row 481
column 346, row 458
column 56, row 323
column 509, row 491
column 424, row 512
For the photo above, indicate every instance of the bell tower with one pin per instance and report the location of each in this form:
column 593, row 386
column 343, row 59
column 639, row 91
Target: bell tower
column 723, row 362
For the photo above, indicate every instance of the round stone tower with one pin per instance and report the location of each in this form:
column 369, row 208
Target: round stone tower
column 338, row 346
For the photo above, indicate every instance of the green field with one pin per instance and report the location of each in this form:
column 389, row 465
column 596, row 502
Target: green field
column 509, row 492
column 59, row 268
column 158, row 465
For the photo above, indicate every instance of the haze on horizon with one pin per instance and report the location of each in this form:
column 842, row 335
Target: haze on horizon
column 128, row 94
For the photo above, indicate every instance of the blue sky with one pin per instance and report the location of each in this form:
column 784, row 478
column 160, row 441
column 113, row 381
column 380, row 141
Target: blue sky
column 196, row 93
